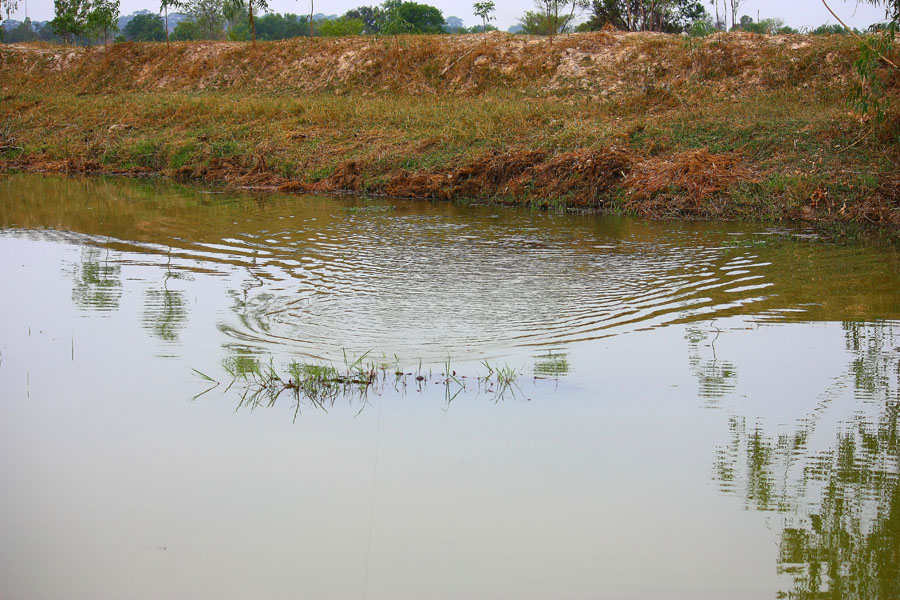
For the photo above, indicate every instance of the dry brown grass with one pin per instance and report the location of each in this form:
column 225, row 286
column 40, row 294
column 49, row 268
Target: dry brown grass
column 614, row 63
column 681, row 183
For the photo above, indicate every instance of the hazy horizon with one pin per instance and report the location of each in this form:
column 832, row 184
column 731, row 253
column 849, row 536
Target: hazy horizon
column 801, row 13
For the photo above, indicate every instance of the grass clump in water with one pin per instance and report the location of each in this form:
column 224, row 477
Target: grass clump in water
column 322, row 384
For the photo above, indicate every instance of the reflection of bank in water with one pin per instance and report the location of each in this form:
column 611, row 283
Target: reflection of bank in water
column 310, row 276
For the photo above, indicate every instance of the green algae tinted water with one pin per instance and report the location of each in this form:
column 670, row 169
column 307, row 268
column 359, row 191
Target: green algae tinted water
column 703, row 410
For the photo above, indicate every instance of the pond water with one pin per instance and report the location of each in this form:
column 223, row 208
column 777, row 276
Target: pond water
column 701, row 410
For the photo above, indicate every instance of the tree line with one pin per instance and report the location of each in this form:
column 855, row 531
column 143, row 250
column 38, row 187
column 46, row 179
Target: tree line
column 83, row 20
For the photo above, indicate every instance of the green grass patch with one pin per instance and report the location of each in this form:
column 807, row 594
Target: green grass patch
column 182, row 155
column 147, row 153
column 320, row 173
column 223, row 148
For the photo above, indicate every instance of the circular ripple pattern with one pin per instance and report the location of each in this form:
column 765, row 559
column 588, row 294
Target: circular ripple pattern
column 432, row 285
column 319, row 276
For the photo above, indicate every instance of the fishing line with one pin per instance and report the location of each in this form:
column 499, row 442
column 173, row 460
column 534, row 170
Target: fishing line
column 372, row 505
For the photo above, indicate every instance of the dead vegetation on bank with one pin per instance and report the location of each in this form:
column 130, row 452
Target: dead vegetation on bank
column 587, row 178
column 598, row 64
column 731, row 126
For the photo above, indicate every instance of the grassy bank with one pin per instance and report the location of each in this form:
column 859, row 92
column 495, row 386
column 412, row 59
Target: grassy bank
column 732, row 126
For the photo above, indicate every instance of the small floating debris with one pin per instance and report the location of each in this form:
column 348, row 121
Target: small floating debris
column 371, row 209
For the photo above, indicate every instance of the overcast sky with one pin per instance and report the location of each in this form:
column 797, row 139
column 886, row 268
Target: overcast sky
column 797, row 13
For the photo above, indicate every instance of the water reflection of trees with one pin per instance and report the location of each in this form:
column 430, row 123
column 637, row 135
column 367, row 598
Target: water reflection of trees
column 165, row 310
column 716, row 378
column 165, row 313
column 97, row 282
column 840, row 504
column 850, row 546
column 551, row 364
column 97, row 286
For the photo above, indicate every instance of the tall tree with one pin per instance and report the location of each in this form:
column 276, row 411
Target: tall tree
column 235, row 7
column 550, row 10
column 71, row 18
column 207, row 20
column 410, row 17
column 25, row 32
column 164, row 8
column 144, row 28
column 645, row 15
column 273, row 26
column 369, row 15
column 735, row 7
column 103, row 18
column 551, row 17
column 9, row 6
column 725, row 12
column 485, row 9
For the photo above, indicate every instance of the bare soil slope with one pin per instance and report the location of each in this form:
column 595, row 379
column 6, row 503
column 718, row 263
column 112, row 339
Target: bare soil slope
column 593, row 63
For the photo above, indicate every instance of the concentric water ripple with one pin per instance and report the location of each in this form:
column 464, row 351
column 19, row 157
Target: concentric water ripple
column 320, row 276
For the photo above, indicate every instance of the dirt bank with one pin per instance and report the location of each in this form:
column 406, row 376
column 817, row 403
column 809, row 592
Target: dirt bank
column 731, row 126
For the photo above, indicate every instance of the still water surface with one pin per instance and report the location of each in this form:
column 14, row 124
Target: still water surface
column 704, row 410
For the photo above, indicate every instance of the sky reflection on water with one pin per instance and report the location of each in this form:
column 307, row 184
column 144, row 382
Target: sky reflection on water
column 715, row 414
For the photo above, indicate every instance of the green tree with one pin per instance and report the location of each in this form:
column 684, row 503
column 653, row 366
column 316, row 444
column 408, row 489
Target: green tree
column 645, row 15
column 207, row 21
column 25, row 32
column 235, row 7
column 187, row 31
column 370, row 16
column 145, row 28
column 8, row 7
column 410, row 17
column 164, row 8
column 485, row 10
column 272, row 27
column 103, row 19
column 764, row 27
column 534, row 23
column 551, row 18
column 683, row 14
column 550, row 9
column 829, row 29
column 71, row 18
column 47, row 34
column 454, row 25
column 341, row 27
